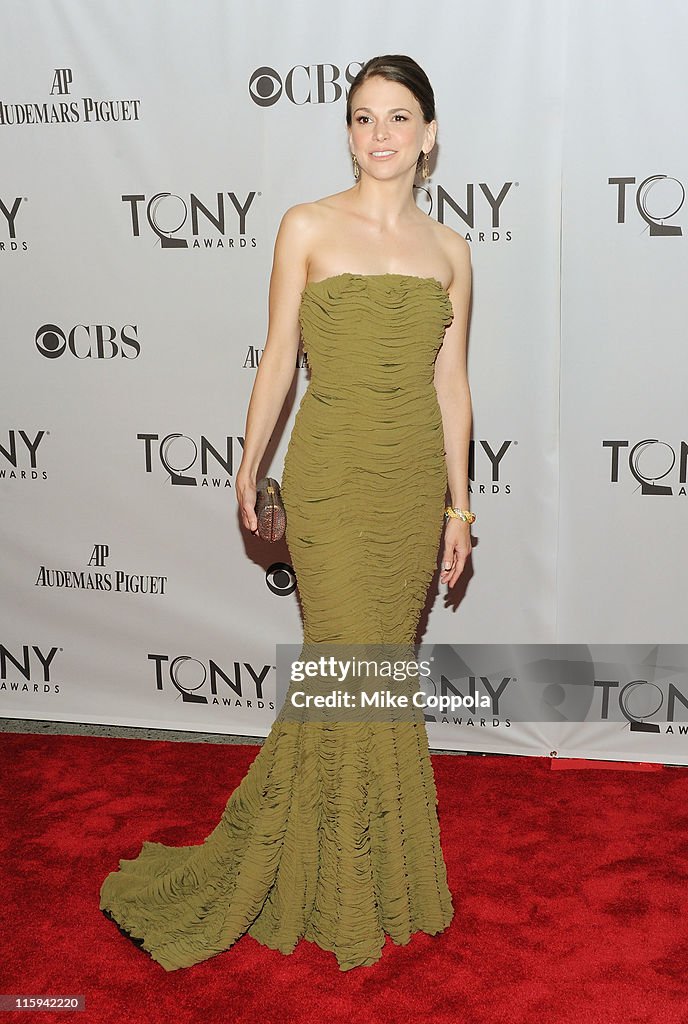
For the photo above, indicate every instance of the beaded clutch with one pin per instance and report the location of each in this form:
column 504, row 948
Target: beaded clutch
column 272, row 518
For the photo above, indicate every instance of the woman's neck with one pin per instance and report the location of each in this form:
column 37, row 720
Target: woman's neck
column 386, row 203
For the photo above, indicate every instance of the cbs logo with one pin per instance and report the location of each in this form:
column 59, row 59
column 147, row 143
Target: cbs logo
column 304, row 83
column 99, row 341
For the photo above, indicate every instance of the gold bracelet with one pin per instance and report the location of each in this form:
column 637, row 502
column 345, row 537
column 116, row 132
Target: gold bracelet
column 459, row 513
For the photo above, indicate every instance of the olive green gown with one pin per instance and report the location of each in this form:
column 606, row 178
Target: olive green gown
column 333, row 834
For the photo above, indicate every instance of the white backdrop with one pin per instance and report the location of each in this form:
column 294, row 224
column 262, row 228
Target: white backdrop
column 148, row 153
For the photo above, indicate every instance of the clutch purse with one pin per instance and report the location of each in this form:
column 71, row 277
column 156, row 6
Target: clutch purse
column 272, row 518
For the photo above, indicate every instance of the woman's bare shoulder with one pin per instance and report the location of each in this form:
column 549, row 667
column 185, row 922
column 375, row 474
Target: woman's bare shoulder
column 452, row 241
column 314, row 212
column 456, row 249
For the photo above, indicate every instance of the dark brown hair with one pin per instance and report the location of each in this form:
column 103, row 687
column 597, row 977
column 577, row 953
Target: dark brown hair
column 396, row 67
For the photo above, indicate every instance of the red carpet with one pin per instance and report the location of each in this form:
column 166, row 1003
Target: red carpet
column 570, row 889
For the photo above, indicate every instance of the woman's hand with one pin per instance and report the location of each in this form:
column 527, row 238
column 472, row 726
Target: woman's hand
column 457, row 548
column 245, row 490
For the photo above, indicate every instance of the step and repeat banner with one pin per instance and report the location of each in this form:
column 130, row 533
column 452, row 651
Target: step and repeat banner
column 149, row 152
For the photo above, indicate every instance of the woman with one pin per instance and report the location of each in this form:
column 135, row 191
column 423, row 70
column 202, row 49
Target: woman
column 333, row 834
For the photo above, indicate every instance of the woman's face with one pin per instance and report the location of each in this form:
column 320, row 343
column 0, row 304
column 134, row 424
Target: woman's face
column 387, row 129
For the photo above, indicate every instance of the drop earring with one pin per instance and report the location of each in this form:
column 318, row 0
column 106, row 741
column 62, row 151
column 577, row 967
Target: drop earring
column 425, row 166
column 357, row 169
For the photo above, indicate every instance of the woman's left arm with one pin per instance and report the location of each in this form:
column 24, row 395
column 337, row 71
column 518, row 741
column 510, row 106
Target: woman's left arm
column 454, row 398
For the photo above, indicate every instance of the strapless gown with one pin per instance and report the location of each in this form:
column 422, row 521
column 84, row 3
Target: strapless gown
column 333, row 833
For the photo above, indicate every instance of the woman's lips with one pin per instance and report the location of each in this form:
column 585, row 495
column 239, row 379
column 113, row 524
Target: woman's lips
column 383, row 154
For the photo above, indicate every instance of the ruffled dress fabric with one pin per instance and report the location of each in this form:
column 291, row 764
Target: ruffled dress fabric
column 333, row 833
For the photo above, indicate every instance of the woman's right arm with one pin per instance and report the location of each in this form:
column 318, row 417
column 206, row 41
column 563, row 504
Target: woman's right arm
column 278, row 362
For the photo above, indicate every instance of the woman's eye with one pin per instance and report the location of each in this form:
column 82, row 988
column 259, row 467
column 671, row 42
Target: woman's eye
column 364, row 118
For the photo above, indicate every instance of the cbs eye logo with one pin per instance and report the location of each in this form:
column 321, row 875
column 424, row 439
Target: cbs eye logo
column 304, row 83
column 281, row 579
column 98, row 341
column 265, row 87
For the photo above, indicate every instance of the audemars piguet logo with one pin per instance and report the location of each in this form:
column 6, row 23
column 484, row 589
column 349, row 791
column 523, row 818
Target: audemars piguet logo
column 62, row 109
column 98, row 577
